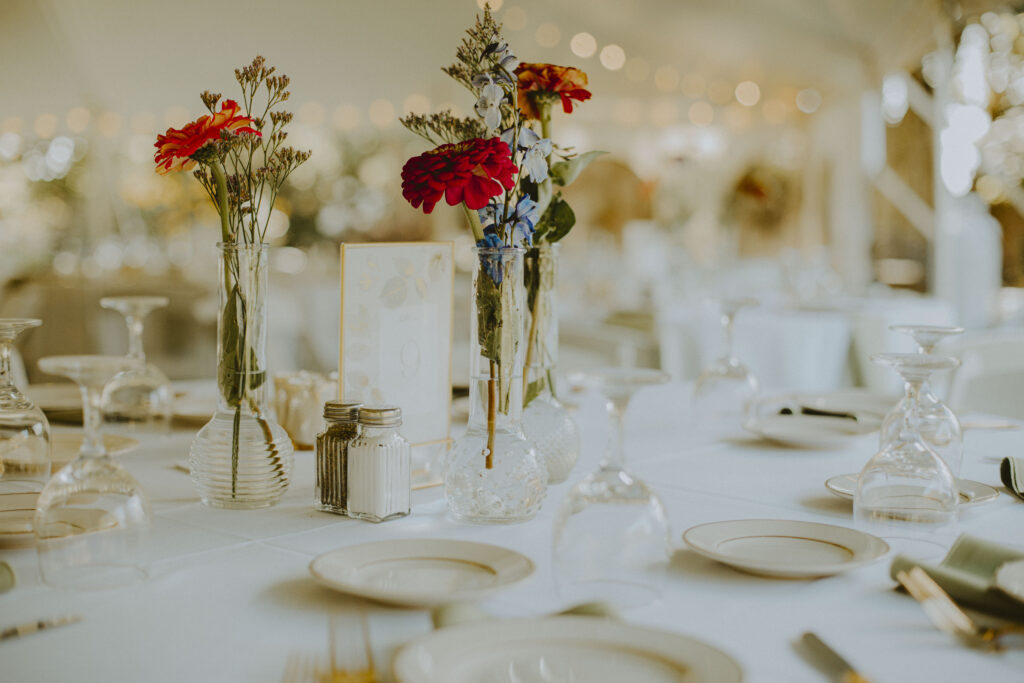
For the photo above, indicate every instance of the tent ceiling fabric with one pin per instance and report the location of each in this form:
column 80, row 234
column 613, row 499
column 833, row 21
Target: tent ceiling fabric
column 134, row 55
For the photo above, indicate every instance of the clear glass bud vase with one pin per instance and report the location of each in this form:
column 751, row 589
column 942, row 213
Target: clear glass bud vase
column 242, row 458
column 546, row 422
column 493, row 473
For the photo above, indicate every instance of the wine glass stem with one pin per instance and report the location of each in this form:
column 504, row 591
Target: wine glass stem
column 727, row 319
column 92, row 416
column 615, row 453
column 6, row 375
column 135, row 351
column 912, row 415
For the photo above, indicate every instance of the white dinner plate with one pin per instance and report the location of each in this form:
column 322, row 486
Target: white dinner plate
column 1010, row 579
column 804, row 431
column 582, row 649
column 64, row 447
column 785, row 548
column 421, row 572
column 971, row 492
column 17, row 511
column 17, row 515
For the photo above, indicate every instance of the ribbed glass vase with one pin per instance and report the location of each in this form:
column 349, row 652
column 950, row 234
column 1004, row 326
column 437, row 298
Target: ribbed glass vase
column 242, row 458
column 493, row 474
column 545, row 420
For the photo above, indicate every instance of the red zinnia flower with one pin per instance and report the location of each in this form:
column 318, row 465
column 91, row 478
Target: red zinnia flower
column 472, row 171
column 563, row 81
column 176, row 147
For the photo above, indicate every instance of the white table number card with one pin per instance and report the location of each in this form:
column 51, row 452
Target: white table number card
column 396, row 335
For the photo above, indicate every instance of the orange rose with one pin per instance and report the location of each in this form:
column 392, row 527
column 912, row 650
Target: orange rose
column 177, row 146
column 539, row 82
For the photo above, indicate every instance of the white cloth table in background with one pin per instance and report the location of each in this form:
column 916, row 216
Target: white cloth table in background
column 230, row 594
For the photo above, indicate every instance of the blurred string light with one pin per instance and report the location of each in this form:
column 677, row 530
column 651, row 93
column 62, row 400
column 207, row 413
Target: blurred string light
column 514, row 18
column 693, row 85
column 547, row 35
column 666, row 78
column 701, row 113
column 613, row 57
column 637, row 69
column 748, row 93
column 347, row 117
column 45, row 125
column 808, row 100
column 583, row 45
column 895, row 98
column 382, row 113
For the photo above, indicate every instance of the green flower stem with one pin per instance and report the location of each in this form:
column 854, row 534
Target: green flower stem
column 222, row 200
column 474, row 222
column 545, row 132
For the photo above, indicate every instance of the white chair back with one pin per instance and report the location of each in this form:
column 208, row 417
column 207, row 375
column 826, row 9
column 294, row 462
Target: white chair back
column 990, row 378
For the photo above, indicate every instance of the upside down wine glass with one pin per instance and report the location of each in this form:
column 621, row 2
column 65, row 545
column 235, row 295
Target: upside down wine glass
column 24, row 438
column 726, row 389
column 92, row 516
column 906, row 491
column 612, row 532
column 140, row 394
column 939, row 426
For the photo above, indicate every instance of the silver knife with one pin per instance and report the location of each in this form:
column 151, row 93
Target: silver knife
column 832, row 660
column 36, row 626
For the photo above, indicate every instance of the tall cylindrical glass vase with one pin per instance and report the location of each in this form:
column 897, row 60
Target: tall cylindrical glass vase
column 242, row 458
column 545, row 420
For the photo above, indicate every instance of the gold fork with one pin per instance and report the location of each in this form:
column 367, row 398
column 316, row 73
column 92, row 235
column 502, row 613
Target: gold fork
column 300, row 667
column 947, row 616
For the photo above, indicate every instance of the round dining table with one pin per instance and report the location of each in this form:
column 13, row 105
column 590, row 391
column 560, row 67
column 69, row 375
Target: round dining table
column 229, row 593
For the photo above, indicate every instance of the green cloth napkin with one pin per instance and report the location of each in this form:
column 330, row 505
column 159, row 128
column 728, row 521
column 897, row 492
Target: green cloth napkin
column 6, row 577
column 967, row 574
column 1011, row 471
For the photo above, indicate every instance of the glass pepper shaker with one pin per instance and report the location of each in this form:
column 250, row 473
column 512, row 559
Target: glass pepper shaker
column 332, row 446
column 379, row 467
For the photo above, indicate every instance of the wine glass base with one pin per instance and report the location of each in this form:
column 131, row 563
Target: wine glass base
column 620, row 594
column 95, row 577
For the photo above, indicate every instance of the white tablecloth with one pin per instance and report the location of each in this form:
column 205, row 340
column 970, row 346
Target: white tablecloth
column 230, row 595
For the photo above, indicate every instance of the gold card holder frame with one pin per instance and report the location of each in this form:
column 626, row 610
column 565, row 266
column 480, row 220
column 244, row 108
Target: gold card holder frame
column 396, row 335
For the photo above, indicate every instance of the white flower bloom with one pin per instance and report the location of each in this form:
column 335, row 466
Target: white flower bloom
column 488, row 107
column 535, row 162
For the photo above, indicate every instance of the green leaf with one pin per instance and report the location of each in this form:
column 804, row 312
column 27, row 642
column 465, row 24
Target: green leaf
column 557, row 221
column 533, row 390
column 565, row 172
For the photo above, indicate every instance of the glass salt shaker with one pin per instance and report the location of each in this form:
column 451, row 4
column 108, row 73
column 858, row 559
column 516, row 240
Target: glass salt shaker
column 379, row 467
column 332, row 446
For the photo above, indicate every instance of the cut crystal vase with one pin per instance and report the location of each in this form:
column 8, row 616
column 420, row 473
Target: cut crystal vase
column 493, row 474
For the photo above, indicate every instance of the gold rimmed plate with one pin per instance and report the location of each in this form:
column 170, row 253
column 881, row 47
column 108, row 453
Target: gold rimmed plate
column 421, row 572
column 782, row 548
column 561, row 649
column 971, row 492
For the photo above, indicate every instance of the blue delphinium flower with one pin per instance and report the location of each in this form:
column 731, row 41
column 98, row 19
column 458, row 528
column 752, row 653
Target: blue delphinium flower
column 537, row 150
column 492, row 262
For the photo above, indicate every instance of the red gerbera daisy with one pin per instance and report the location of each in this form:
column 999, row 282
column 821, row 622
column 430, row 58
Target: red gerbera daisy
column 472, row 172
column 549, row 80
column 176, row 147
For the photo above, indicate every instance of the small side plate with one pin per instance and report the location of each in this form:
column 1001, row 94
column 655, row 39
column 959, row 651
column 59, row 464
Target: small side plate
column 421, row 572
column 783, row 548
column 971, row 492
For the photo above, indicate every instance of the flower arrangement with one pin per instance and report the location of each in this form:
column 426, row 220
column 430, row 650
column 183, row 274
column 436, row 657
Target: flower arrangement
column 502, row 172
column 238, row 155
